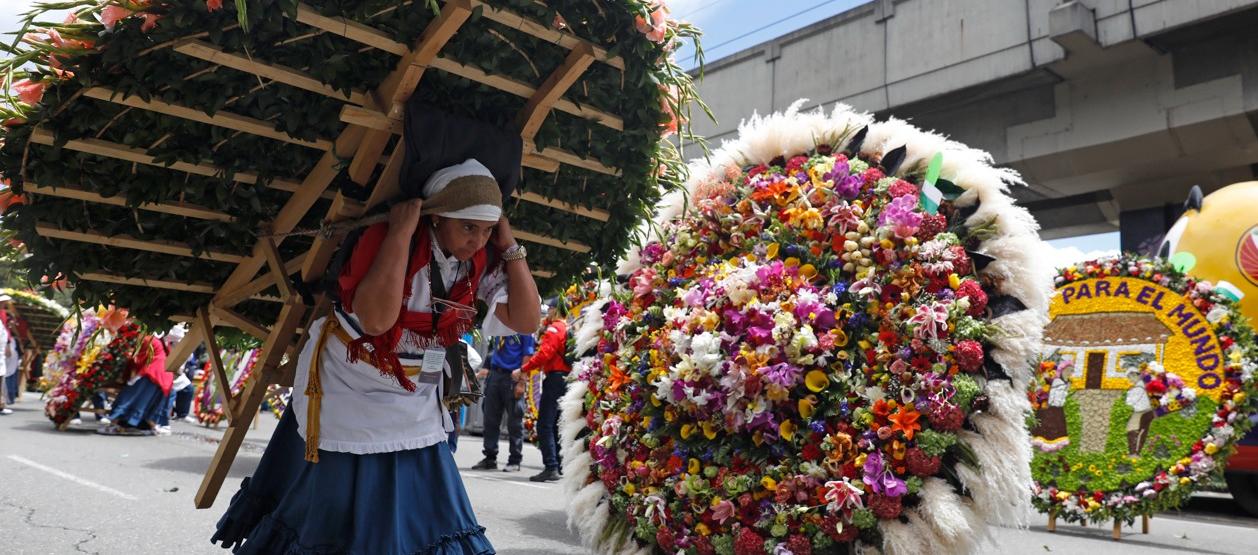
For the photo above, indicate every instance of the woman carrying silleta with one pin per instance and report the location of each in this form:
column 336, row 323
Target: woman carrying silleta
column 360, row 463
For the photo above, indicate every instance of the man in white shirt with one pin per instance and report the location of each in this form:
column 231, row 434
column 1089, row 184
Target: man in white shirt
column 1141, row 415
column 8, row 366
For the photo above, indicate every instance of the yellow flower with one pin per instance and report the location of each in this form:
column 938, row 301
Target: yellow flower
column 791, row 262
column 772, row 251
column 807, row 405
column 703, row 529
column 808, row 271
column 1063, row 495
column 1211, row 448
column 1239, row 397
column 954, row 281
column 816, row 381
column 629, row 489
column 709, row 430
column 840, row 338
column 769, row 483
column 686, row 430
column 1184, row 481
column 694, row 467
column 787, row 430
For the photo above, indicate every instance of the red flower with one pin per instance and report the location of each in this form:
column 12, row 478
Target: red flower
column 932, row 225
column 947, row 418
column 665, row 538
column 703, row 546
column 213, row 5
column 972, row 291
column 757, row 170
column 795, row 163
column 811, row 452
column 799, row 545
column 748, row 543
column 902, row 188
column 969, row 355
column 885, row 507
column 1155, row 388
column 960, row 260
column 921, row 464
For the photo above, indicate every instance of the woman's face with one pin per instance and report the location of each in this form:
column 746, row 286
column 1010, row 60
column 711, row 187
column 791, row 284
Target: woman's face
column 462, row 238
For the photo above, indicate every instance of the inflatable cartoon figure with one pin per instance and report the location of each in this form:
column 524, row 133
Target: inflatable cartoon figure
column 1217, row 239
column 1220, row 233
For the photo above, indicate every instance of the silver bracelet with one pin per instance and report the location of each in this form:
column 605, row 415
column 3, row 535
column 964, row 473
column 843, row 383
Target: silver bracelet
column 515, row 252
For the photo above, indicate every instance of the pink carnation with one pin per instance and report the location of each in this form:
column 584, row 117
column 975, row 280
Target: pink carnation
column 969, row 354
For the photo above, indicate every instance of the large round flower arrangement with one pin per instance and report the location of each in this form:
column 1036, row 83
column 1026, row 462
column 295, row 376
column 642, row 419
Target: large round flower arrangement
column 97, row 368
column 1195, row 391
column 208, row 401
column 808, row 351
column 73, row 341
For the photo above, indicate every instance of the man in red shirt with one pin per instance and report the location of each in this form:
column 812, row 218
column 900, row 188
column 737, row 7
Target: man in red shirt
column 549, row 358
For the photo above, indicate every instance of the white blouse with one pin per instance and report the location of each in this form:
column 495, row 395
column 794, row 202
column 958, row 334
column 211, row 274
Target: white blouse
column 364, row 411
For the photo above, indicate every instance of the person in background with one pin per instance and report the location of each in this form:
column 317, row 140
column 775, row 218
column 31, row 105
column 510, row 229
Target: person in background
column 550, row 359
column 508, row 354
column 183, row 389
column 8, row 366
column 141, row 408
column 459, row 415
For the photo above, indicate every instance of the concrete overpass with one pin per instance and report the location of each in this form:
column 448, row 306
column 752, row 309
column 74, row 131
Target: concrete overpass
column 1111, row 109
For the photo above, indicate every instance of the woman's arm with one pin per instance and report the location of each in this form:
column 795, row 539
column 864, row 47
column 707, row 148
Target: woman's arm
column 523, row 310
column 378, row 310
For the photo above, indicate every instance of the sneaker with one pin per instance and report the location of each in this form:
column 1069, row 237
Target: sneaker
column 189, row 419
column 486, row 464
column 6, row 411
column 162, row 431
column 548, row 475
column 76, row 421
column 511, row 467
column 104, row 420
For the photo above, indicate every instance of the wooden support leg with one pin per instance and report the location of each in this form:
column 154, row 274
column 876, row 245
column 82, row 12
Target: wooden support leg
column 1118, row 530
column 1144, row 524
column 1052, row 522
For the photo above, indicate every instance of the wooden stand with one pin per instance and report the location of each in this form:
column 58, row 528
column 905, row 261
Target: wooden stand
column 1118, row 525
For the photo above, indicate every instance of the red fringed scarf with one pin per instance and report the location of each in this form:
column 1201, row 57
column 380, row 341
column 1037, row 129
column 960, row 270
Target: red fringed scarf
column 380, row 350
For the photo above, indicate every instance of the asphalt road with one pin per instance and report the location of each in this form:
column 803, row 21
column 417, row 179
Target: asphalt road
column 79, row 492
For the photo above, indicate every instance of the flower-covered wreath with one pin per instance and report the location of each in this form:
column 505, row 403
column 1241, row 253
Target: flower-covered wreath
column 811, row 349
column 1173, row 421
column 96, row 368
column 72, row 342
column 207, row 403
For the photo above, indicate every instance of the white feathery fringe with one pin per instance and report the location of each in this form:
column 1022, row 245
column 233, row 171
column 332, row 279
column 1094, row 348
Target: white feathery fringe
column 904, row 539
column 576, row 472
column 1001, row 484
column 955, row 524
column 583, row 508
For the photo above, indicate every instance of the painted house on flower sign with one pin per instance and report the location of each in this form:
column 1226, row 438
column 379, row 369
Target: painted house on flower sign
column 1099, row 343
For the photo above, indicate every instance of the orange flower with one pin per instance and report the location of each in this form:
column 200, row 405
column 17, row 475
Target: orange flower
column 617, row 380
column 881, row 409
column 905, row 420
column 213, row 5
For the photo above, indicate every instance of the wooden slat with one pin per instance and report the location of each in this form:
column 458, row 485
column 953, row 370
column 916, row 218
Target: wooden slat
column 592, row 213
column 536, row 162
column 377, row 39
column 276, row 264
column 543, row 273
column 550, row 241
column 553, row 36
column 280, row 74
column 130, row 154
column 525, row 90
column 126, row 242
column 184, row 349
column 314, row 186
column 239, row 322
column 226, row 120
column 267, row 279
column 368, row 156
column 386, row 188
column 216, row 363
column 173, row 208
column 395, row 90
column 556, row 84
column 572, row 159
column 205, row 288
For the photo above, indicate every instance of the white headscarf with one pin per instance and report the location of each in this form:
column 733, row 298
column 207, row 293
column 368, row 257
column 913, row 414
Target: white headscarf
column 443, row 177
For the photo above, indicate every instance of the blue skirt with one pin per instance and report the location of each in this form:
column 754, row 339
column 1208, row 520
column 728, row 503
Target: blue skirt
column 406, row 502
column 139, row 405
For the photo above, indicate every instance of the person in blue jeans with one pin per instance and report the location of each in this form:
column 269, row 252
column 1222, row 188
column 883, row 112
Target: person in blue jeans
column 550, row 359
column 507, row 355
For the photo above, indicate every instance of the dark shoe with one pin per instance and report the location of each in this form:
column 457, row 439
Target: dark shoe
column 486, row 464
column 511, row 467
column 548, row 475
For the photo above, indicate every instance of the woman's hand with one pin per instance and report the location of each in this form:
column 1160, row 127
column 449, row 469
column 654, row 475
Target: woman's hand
column 404, row 218
column 503, row 239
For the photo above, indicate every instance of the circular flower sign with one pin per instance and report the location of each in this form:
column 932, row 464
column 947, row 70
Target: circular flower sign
column 1147, row 385
column 808, row 353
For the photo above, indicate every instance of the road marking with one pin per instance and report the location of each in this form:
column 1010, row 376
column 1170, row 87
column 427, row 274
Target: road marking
column 505, row 481
column 73, row 478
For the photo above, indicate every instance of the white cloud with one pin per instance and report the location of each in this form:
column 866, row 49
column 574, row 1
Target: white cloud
column 1065, row 256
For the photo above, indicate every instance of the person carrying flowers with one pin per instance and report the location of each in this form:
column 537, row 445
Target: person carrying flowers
column 360, row 462
column 141, row 407
column 550, row 359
